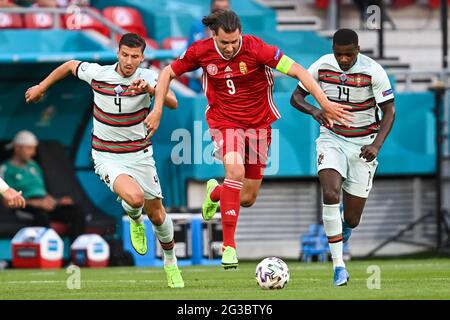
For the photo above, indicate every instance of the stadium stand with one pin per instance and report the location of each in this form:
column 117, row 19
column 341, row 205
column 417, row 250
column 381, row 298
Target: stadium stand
column 127, row 18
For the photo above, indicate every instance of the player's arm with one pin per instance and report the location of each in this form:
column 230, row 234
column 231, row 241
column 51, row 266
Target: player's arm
column 370, row 152
column 141, row 85
column 332, row 111
column 153, row 119
column 35, row 93
column 299, row 102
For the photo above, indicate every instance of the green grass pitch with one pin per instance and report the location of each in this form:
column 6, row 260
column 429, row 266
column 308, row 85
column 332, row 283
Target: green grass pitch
column 400, row 279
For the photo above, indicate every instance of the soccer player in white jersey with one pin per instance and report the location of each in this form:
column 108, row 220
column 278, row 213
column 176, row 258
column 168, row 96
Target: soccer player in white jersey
column 121, row 149
column 346, row 157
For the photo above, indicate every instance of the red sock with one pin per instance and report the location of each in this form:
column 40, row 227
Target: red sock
column 229, row 208
column 215, row 194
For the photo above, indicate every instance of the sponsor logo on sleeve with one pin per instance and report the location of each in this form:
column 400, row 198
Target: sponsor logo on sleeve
column 277, row 54
column 387, row 92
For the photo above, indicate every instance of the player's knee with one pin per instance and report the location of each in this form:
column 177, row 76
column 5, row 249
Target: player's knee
column 157, row 216
column 136, row 199
column 248, row 199
column 330, row 196
column 235, row 173
column 353, row 222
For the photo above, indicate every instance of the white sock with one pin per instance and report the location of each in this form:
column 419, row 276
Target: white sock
column 164, row 233
column 134, row 213
column 332, row 224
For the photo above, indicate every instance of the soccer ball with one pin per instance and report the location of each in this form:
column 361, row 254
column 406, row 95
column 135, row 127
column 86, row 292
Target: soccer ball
column 272, row 273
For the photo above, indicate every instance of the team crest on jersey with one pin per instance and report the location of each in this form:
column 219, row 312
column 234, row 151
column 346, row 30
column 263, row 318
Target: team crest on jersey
column 212, row 69
column 243, row 67
column 343, row 77
column 118, row 90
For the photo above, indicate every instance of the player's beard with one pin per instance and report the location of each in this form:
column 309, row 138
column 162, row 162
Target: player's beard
column 127, row 71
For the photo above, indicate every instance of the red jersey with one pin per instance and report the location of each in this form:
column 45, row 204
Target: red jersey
column 239, row 90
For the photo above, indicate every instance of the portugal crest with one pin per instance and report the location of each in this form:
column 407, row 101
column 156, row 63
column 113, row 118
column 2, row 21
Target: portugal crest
column 343, row 77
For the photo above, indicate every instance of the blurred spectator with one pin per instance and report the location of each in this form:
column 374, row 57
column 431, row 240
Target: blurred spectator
column 199, row 31
column 21, row 172
column 364, row 4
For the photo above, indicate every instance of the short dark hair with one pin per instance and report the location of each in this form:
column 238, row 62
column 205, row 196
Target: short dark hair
column 132, row 40
column 344, row 37
column 228, row 20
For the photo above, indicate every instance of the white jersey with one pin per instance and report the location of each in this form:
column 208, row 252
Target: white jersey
column 365, row 86
column 118, row 116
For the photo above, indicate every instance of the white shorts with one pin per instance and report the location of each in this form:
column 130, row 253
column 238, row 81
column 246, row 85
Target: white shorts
column 342, row 155
column 140, row 166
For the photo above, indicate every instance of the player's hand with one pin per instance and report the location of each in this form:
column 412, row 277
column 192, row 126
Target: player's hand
column 138, row 86
column 13, row 199
column 337, row 112
column 49, row 203
column 318, row 115
column 65, row 201
column 34, row 94
column 369, row 152
column 152, row 122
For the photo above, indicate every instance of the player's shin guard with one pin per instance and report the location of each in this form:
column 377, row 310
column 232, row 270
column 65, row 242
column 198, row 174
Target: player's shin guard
column 229, row 209
column 133, row 213
column 333, row 229
column 164, row 233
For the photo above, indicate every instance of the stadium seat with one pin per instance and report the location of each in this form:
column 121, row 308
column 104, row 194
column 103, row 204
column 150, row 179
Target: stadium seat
column 39, row 20
column 127, row 18
column 86, row 22
column 151, row 44
column 434, row 4
column 178, row 44
column 11, row 21
column 321, row 4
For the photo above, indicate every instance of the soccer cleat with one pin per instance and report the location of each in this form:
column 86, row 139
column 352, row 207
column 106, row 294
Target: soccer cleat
column 138, row 237
column 341, row 276
column 173, row 274
column 229, row 259
column 209, row 207
column 346, row 231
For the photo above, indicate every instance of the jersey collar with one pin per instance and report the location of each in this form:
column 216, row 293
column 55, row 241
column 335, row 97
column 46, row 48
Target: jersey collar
column 218, row 51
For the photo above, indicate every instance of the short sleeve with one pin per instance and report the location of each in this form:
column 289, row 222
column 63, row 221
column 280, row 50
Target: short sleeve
column 150, row 76
column 267, row 54
column 87, row 71
column 188, row 61
column 313, row 70
column 381, row 86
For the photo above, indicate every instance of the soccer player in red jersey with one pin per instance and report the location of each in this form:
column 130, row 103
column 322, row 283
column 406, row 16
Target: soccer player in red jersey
column 238, row 84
